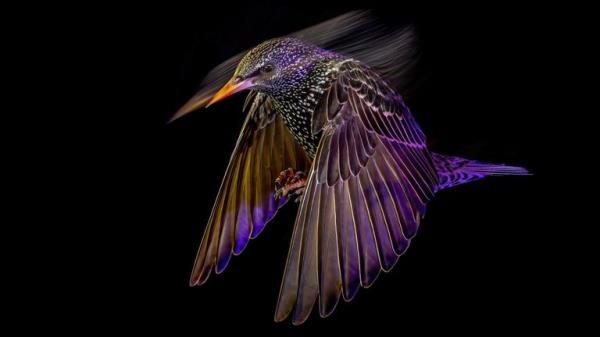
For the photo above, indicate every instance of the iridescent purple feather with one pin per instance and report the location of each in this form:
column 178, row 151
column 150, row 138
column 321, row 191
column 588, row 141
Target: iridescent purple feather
column 454, row 171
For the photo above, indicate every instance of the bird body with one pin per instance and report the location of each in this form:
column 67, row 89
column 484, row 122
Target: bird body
column 369, row 172
column 297, row 107
column 296, row 98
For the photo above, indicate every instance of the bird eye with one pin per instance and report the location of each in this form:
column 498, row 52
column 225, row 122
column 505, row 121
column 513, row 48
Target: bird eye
column 267, row 68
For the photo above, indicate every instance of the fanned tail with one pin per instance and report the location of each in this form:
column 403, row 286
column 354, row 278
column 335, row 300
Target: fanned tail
column 454, row 171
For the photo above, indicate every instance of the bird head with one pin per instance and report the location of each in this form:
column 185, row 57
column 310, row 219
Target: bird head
column 274, row 66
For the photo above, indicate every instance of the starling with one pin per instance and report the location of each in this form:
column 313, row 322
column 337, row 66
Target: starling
column 328, row 130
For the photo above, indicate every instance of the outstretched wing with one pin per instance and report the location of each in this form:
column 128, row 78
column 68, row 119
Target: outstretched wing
column 367, row 190
column 245, row 202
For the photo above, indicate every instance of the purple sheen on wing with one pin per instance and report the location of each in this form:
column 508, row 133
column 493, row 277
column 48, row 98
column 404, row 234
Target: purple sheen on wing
column 408, row 223
column 242, row 233
column 393, row 222
column 454, row 171
column 222, row 262
column 265, row 215
column 347, row 243
column 258, row 215
column 369, row 261
column 386, row 253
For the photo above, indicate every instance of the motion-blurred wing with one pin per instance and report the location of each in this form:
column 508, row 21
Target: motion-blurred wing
column 245, row 202
column 366, row 193
column 393, row 53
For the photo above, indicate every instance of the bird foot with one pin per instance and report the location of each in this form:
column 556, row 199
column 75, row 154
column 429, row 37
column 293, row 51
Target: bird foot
column 291, row 183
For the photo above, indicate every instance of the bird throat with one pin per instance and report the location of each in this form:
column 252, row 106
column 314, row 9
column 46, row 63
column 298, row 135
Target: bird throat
column 297, row 106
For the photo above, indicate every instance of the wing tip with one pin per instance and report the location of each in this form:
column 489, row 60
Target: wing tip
column 349, row 299
column 197, row 279
column 370, row 280
column 278, row 319
column 222, row 264
column 299, row 320
column 280, row 315
column 326, row 310
column 239, row 248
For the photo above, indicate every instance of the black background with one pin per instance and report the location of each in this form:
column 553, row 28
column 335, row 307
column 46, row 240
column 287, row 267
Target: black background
column 478, row 258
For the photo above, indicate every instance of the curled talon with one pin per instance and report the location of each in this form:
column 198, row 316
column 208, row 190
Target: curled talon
column 290, row 182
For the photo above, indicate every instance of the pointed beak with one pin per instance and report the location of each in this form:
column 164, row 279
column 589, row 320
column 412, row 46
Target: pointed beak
column 230, row 88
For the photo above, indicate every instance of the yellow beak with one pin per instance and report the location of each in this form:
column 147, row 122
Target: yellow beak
column 229, row 89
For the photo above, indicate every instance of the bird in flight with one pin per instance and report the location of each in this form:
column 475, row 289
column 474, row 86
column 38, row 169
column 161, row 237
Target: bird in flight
column 328, row 128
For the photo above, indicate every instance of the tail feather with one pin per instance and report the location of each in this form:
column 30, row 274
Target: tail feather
column 454, row 171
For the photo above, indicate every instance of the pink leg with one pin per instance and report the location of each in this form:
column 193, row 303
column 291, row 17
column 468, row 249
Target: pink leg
column 291, row 183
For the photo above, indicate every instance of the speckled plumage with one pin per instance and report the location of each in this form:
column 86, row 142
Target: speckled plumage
column 309, row 71
column 297, row 106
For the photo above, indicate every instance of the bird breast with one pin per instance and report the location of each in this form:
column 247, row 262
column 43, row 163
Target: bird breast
column 297, row 106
